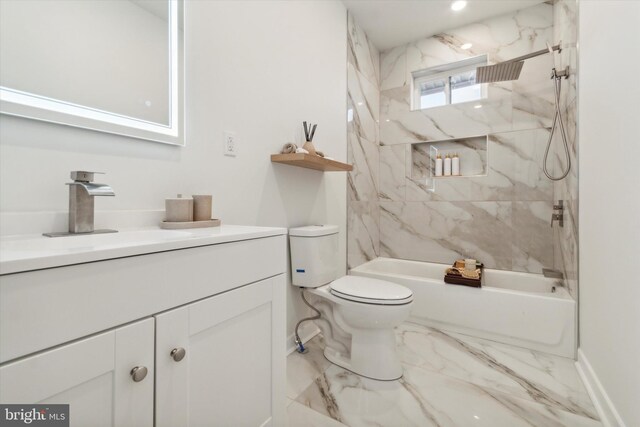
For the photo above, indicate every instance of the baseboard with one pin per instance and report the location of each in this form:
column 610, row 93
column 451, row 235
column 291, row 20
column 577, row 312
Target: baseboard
column 608, row 413
column 307, row 331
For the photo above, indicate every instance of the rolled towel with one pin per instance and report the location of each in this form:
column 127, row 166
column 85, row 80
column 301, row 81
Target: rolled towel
column 301, row 150
column 320, row 153
column 289, row 148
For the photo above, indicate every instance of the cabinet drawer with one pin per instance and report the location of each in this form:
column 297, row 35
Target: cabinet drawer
column 40, row 309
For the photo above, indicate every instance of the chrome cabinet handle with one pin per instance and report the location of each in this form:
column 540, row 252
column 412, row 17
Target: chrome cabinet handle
column 178, row 353
column 139, row 373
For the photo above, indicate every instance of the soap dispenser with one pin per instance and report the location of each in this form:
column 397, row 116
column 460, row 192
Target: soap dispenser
column 438, row 165
column 447, row 165
column 455, row 165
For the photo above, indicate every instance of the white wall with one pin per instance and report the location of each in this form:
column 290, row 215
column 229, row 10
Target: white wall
column 258, row 68
column 609, row 155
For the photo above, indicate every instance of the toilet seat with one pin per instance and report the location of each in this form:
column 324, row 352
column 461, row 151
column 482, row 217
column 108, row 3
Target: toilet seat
column 370, row 291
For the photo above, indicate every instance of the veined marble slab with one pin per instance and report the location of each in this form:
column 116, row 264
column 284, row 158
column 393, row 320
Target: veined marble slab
column 364, row 103
column 303, row 416
column 362, row 53
column 454, row 380
column 363, row 179
column 546, row 379
column 303, row 369
column 363, row 238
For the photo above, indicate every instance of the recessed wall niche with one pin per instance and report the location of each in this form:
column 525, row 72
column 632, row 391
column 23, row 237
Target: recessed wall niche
column 472, row 153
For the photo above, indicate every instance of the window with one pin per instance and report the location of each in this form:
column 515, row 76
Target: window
column 448, row 84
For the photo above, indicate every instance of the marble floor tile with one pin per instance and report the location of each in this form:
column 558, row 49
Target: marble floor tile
column 449, row 380
column 303, row 416
column 303, row 369
column 426, row 398
column 546, row 379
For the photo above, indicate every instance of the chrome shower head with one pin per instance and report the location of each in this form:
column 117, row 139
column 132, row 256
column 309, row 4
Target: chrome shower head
column 509, row 70
column 501, row 72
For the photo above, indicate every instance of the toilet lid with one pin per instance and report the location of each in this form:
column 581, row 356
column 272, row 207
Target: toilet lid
column 370, row 291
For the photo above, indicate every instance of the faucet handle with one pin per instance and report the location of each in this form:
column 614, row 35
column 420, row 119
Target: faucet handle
column 83, row 176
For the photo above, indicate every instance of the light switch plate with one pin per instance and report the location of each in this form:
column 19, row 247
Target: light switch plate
column 230, row 144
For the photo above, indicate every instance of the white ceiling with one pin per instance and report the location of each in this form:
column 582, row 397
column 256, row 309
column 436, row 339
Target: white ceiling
column 390, row 23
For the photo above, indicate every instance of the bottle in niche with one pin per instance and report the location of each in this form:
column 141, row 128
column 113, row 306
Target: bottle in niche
column 455, row 165
column 447, row 165
column 438, row 165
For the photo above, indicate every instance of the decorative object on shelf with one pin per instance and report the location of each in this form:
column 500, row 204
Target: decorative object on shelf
column 307, row 156
column 289, row 148
column 309, row 132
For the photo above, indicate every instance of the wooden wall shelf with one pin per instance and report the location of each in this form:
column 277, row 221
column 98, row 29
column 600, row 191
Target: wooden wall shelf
column 310, row 161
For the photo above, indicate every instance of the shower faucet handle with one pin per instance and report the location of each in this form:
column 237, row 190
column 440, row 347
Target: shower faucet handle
column 558, row 217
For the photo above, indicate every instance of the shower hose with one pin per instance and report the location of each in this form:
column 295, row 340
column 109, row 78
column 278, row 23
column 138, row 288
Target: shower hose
column 557, row 84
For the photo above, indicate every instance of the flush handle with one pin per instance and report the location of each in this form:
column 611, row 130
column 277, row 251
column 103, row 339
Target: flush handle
column 178, row 354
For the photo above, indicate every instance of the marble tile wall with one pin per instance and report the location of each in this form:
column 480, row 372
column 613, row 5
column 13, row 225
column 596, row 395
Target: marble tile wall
column 363, row 109
column 502, row 218
column 565, row 13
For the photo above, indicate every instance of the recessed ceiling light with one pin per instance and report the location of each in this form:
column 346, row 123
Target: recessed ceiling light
column 477, row 106
column 360, row 103
column 466, row 46
column 458, row 5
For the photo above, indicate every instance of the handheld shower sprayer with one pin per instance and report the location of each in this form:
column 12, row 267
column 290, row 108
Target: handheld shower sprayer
column 510, row 70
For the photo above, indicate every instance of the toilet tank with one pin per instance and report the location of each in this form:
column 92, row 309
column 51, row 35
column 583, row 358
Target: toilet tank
column 314, row 255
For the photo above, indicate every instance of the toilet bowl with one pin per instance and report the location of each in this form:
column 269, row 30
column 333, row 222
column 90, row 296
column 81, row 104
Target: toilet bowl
column 358, row 314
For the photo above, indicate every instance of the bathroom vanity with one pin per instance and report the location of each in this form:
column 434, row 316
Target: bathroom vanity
column 147, row 327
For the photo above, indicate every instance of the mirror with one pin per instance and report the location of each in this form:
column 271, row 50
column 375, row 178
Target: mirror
column 111, row 66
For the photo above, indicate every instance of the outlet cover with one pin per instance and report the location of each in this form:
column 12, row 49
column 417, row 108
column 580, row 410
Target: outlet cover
column 230, row 144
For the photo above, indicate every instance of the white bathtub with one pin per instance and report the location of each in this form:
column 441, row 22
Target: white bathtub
column 523, row 309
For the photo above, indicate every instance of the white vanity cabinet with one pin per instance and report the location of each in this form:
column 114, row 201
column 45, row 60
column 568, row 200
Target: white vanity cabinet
column 92, row 375
column 207, row 323
column 222, row 374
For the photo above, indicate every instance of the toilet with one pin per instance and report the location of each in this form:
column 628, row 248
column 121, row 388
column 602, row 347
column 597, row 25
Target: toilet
column 358, row 314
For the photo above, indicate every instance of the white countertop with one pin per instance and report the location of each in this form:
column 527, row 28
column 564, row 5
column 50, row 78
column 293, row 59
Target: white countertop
column 36, row 252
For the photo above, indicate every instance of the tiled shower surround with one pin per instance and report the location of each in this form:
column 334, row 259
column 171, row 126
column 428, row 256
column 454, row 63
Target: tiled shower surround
column 501, row 218
column 565, row 15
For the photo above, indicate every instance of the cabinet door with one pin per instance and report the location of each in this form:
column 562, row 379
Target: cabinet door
column 92, row 375
column 232, row 373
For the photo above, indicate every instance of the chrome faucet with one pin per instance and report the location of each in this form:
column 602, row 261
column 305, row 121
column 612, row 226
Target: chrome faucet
column 81, row 204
